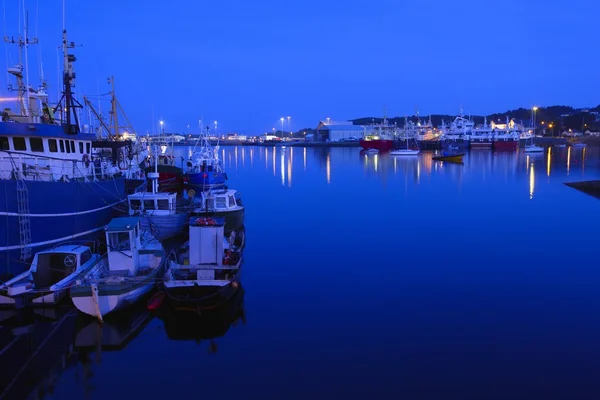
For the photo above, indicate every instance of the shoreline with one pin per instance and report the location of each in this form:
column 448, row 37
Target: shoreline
column 425, row 144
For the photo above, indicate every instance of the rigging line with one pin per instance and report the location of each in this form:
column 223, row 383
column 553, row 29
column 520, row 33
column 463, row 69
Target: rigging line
column 5, row 44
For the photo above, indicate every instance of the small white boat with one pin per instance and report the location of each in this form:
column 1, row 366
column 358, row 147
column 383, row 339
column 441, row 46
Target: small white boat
column 50, row 276
column 207, row 270
column 532, row 148
column 405, row 152
column 135, row 261
column 226, row 203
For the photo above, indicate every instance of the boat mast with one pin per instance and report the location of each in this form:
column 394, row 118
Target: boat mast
column 22, row 88
column 71, row 124
column 113, row 103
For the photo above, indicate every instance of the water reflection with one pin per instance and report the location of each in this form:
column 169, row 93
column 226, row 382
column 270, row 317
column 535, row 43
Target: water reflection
column 549, row 161
column 328, row 168
column 208, row 325
column 531, row 181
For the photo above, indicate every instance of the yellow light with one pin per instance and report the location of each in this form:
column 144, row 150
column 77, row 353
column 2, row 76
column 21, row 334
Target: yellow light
column 535, row 108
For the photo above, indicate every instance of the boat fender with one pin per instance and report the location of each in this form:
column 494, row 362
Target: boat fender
column 86, row 160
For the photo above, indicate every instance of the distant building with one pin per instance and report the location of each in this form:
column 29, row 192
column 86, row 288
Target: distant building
column 334, row 131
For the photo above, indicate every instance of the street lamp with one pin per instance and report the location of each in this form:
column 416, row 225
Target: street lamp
column 281, row 119
column 162, row 129
column 533, row 110
column 216, row 127
column 290, row 126
column 327, row 120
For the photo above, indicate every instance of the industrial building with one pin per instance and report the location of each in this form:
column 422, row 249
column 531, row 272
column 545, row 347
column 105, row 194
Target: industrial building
column 334, row 131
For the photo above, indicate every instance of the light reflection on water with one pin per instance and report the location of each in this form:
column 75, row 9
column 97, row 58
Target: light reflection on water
column 436, row 274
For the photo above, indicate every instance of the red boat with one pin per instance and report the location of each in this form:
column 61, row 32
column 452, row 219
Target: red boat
column 170, row 177
column 378, row 142
column 506, row 145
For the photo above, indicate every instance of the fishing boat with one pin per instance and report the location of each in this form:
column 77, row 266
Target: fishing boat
column 50, row 276
column 506, row 136
column 449, row 157
column 170, row 175
column 381, row 138
column 222, row 203
column 457, row 133
column 161, row 212
column 207, row 268
column 205, row 170
column 134, row 263
column 55, row 188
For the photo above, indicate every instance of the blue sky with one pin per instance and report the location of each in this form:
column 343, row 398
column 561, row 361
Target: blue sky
column 246, row 64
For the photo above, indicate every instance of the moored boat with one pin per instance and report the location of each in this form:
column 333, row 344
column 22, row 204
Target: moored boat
column 134, row 264
column 380, row 142
column 449, row 157
column 221, row 203
column 50, row 276
column 207, row 269
column 205, row 170
column 56, row 188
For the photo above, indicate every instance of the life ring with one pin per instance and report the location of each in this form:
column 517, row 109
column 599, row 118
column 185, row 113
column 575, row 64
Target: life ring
column 86, row 160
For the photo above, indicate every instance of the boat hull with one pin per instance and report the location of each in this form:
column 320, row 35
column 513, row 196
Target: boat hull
column 201, row 297
column 206, row 180
column 58, row 212
column 481, row 144
column 381, row 145
column 170, row 178
column 458, row 144
column 506, row 145
column 458, row 158
column 165, row 226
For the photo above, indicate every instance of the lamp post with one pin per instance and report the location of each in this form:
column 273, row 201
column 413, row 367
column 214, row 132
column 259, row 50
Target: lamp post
column 533, row 110
column 162, row 128
column 327, row 120
column 281, row 119
column 290, row 126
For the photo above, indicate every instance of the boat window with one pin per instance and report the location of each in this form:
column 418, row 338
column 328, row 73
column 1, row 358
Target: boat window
column 4, row 143
column 36, row 144
column 149, row 204
column 163, row 204
column 52, row 146
column 135, row 205
column 85, row 257
column 67, row 146
column 72, row 146
column 81, row 147
column 19, row 143
column 231, row 201
column 119, row 241
column 53, row 267
column 62, row 146
column 238, row 199
column 220, row 202
column 87, row 148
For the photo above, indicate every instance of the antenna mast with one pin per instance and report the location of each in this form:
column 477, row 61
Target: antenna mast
column 71, row 124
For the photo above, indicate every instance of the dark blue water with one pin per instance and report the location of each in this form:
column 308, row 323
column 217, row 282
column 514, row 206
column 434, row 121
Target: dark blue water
column 379, row 277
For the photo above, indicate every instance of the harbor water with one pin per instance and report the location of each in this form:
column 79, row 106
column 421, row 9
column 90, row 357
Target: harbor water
column 365, row 276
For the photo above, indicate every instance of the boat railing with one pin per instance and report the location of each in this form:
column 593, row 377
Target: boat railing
column 30, row 167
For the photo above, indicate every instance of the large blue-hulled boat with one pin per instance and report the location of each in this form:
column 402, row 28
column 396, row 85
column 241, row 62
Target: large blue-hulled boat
column 53, row 185
column 205, row 169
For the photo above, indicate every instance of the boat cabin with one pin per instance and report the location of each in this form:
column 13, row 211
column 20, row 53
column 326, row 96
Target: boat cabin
column 45, row 152
column 123, row 241
column 206, row 240
column 52, row 266
column 160, row 203
column 221, row 200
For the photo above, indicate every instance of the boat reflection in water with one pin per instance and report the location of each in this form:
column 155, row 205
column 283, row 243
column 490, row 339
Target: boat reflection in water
column 187, row 323
column 35, row 348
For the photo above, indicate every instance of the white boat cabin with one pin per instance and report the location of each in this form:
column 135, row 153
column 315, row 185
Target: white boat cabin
column 44, row 152
column 50, row 267
column 130, row 250
column 160, row 203
column 206, row 241
column 220, row 200
column 123, row 241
